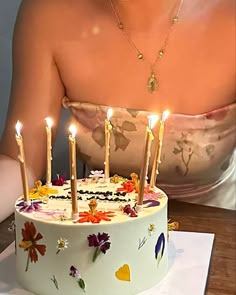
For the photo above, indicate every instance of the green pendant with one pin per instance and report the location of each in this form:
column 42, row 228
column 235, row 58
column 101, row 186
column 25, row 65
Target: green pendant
column 152, row 83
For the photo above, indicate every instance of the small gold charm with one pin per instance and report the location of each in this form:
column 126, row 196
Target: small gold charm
column 161, row 52
column 140, row 56
column 152, row 83
column 175, row 19
column 120, row 25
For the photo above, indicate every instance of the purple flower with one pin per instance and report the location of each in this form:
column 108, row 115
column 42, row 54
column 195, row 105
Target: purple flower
column 104, row 247
column 96, row 241
column 160, row 247
column 34, row 206
column 103, row 237
column 74, row 272
column 150, row 203
column 100, row 242
column 93, row 241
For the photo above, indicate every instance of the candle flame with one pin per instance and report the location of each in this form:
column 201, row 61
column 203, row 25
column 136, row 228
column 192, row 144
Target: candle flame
column 165, row 115
column 109, row 114
column 49, row 122
column 152, row 119
column 18, row 128
column 72, row 130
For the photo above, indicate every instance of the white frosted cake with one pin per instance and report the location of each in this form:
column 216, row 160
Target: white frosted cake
column 112, row 249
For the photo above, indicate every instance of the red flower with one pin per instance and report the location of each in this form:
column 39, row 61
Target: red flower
column 60, row 180
column 130, row 211
column 127, row 187
column 29, row 243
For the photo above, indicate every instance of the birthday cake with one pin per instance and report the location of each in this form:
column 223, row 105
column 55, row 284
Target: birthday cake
column 112, row 248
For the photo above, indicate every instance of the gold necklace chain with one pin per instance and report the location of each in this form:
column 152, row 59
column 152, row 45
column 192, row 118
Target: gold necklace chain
column 152, row 84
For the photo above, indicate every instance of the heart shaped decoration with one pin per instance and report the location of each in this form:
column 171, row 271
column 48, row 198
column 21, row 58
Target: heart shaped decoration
column 123, row 273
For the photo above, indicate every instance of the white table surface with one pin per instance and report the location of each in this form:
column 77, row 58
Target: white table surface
column 189, row 259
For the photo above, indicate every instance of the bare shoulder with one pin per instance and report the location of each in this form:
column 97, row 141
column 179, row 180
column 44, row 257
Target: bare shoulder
column 53, row 18
column 38, row 15
column 51, row 10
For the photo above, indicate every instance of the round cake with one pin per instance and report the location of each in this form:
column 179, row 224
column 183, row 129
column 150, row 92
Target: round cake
column 112, row 248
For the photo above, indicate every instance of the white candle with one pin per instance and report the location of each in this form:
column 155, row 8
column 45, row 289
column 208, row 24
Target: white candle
column 49, row 151
column 158, row 149
column 73, row 172
column 21, row 157
column 144, row 170
column 108, row 128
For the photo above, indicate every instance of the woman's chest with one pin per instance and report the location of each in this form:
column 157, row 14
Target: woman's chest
column 195, row 75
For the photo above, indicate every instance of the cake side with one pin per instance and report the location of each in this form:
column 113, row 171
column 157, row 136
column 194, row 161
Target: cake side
column 124, row 254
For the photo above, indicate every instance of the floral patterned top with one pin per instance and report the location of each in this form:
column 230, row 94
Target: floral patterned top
column 198, row 154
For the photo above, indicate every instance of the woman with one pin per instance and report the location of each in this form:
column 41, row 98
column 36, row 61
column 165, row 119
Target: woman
column 130, row 55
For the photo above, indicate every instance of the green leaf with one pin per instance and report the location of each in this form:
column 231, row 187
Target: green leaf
column 128, row 126
column 81, row 284
column 54, row 280
column 96, row 253
column 98, row 135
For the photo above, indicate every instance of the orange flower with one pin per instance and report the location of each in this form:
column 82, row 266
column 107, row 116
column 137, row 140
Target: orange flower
column 29, row 243
column 95, row 218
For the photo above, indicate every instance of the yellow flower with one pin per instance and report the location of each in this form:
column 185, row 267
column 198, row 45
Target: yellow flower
column 151, row 228
column 41, row 191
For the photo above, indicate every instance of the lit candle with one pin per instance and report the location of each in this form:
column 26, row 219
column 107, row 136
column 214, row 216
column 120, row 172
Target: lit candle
column 108, row 128
column 144, row 170
column 73, row 173
column 158, row 149
column 21, row 157
column 49, row 151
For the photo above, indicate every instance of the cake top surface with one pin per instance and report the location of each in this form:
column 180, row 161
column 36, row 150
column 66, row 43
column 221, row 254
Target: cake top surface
column 99, row 201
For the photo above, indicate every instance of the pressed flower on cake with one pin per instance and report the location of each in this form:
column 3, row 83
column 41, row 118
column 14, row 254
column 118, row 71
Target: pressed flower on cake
column 160, row 247
column 40, row 191
column 93, row 215
column 62, row 244
column 100, row 242
column 29, row 243
column 76, row 274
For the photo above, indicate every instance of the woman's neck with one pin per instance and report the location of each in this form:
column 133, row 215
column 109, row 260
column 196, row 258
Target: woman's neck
column 140, row 14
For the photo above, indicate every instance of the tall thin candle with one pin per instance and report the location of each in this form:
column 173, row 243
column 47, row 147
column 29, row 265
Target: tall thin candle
column 21, row 157
column 158, row 149
column 144, row 170
column 49, row 151
column 73, row 172
column 108, row 128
